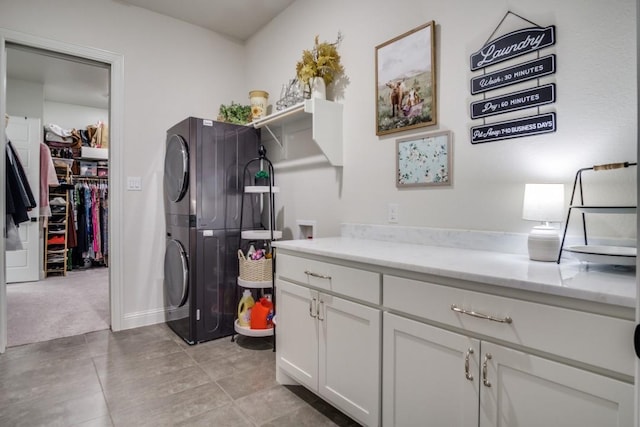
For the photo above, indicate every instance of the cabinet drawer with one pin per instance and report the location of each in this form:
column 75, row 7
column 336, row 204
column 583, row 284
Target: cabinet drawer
column 594, row 339
column 347, row 281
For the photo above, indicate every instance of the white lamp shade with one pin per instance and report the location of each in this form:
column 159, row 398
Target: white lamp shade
column 543, row 202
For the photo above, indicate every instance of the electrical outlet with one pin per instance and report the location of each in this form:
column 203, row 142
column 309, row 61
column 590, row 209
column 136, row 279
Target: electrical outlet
column 392, row 213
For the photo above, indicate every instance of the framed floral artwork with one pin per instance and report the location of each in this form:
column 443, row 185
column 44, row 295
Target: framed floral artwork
column 424, row 160
column 406, row 81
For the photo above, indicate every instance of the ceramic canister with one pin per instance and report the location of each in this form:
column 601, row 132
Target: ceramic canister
column 258, row 103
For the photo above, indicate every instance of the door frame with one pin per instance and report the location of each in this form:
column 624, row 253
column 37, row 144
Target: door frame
column 116, row 132
column 637, row 372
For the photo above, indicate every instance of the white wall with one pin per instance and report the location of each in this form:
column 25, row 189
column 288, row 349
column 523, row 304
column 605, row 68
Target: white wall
column 171, row 70
column 596, row 110
column 25, row 98
column 70, row 116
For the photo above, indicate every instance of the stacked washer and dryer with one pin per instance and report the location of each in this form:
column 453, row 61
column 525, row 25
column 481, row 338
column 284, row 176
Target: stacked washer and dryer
column 204, row 160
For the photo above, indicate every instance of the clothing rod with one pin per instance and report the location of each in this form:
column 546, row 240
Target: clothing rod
column 98, row 179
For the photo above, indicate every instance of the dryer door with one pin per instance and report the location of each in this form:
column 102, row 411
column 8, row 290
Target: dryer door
column 176, row 168
column 176, row 274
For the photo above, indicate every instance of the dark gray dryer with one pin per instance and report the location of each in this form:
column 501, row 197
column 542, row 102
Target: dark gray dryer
column 204, row 160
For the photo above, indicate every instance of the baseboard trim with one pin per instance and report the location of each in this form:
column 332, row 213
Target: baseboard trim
column 143, row 318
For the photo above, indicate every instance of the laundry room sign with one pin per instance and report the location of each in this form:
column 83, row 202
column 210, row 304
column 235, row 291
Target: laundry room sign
column 507, row 47
column 512, row 45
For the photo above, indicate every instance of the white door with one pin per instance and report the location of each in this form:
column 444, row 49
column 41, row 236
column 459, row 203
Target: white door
column 25, row 136
column 431, row 376
column 529, row 391
column 297, row 333
column 349, row 357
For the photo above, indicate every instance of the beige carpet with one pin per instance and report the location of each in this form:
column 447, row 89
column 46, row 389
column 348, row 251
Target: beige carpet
column 58, row 306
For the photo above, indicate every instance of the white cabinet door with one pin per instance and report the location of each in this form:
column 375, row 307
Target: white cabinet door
column 349, row 374
column 430, row 376
column 297, row 333
column 528, row 391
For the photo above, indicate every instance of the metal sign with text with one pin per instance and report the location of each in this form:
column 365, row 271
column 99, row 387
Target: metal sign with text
column 519, row 73
column 515, row 101
column 526, row 126
column 512, row 45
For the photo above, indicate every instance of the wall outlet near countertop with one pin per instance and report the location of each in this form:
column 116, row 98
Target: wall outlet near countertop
column 392, row 213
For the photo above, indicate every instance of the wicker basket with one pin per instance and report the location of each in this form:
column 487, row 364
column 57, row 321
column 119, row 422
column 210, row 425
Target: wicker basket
column 255, row 271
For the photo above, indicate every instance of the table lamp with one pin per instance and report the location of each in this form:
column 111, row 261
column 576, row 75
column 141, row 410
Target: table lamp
column 543, row 203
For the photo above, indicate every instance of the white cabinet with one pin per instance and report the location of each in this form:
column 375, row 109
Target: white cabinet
column 452, row 373
column 298, row 334
column 447, row 354
column 430, row 375
column 531, row 391
column 332, row 346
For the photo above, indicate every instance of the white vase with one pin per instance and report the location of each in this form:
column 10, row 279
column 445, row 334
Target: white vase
column 318, row 88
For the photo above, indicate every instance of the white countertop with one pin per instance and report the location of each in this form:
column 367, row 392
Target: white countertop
column 592, row 282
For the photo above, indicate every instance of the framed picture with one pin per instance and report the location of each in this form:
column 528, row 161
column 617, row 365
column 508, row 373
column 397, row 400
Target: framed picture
column 424, row 160
column 406, row 81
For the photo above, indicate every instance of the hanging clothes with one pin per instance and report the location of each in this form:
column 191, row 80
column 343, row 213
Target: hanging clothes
column 90, row 212
column 104, row 218
column 95, row 219
column 48, row 178
column 19, row 196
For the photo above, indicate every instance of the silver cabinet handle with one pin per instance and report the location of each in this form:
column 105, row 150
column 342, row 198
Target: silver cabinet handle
column 321, row 310
column 485, row 381
column 319, row 276
column 313, row 309
column 480, row 315
column 467, row 374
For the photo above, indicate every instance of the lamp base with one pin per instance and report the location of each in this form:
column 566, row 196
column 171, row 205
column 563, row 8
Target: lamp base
column 543, row 243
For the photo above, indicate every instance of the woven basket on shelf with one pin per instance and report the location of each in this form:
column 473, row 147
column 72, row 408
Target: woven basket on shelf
column 255, row 270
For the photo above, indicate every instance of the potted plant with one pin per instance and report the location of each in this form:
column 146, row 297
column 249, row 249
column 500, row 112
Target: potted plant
column 235, row 113
column 319, row 66
column 262, row 178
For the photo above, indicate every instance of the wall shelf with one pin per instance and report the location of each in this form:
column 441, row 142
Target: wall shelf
column 325, row 118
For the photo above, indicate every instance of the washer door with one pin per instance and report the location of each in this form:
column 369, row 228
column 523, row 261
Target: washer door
column 176, row 168
column 176, row 274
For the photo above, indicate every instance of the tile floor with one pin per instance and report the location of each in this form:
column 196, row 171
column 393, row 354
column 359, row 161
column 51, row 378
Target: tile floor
column 149, row 377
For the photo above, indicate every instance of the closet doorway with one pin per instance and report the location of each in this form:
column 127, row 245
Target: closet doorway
column 69, row 96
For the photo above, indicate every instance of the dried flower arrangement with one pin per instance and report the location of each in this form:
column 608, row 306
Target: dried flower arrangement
column 321, row 61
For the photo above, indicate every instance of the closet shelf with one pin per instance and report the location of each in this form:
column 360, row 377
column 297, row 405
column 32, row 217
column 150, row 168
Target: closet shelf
column 56, row 252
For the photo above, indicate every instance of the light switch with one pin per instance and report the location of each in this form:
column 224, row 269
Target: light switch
column 134, row 183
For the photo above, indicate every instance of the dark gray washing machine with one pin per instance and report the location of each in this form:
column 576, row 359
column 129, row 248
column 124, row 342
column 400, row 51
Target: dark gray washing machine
column 204, row 160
